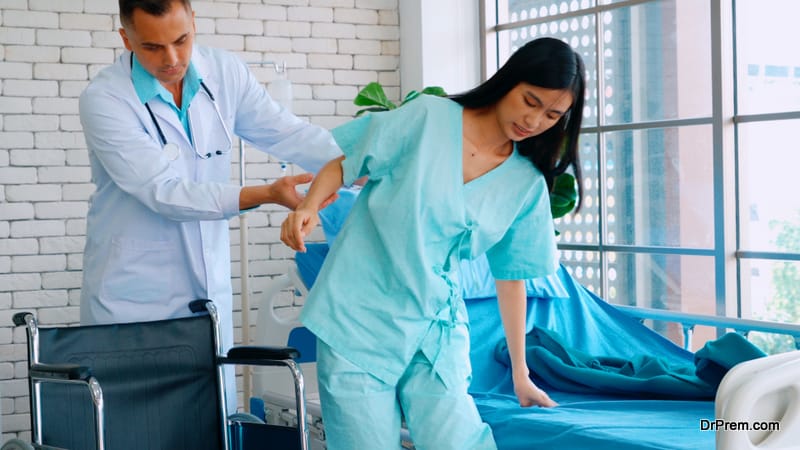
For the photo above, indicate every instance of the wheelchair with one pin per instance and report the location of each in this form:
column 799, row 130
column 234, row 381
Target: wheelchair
column 147, row 385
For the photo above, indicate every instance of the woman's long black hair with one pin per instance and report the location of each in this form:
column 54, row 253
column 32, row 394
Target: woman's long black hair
column 552, row 64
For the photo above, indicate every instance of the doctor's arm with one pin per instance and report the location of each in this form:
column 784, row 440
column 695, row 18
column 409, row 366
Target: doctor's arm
column 512, row 300
column 301, row 222
column 282, row 192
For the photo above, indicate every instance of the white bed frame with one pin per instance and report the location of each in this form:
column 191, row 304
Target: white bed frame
column 754, row 394
column 764, row 391
column 761, row 390
column 275, row 321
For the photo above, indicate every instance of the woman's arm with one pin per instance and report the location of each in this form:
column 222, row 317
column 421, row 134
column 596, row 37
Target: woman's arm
column 513, row 304
column 301, row 221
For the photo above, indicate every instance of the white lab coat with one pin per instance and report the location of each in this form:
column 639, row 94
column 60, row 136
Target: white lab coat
column 157, row 230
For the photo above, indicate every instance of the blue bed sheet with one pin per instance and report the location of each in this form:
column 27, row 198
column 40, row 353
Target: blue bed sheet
column 581, row 421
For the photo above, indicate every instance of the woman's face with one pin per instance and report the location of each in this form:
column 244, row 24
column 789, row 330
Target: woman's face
column 529, row 110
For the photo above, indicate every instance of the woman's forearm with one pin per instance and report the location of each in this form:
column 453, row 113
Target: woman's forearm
column 326, row 183
column 513, row 306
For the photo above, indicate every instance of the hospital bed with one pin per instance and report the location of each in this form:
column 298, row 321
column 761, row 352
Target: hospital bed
column 764, row 389
column 583, row 419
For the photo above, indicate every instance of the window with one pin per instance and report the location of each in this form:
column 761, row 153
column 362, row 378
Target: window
column 768, row 156
column 688, row 150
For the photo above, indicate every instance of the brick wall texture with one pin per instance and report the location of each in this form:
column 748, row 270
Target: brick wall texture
column 49, row 49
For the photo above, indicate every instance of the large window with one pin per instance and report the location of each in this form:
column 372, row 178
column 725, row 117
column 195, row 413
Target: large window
column 689, row 150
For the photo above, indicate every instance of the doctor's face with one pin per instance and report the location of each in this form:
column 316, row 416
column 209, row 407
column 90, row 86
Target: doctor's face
column 162, row 44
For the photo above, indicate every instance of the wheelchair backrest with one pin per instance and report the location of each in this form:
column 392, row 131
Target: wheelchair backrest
column 159, row 383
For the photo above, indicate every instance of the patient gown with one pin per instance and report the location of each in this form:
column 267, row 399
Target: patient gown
column 389, row 287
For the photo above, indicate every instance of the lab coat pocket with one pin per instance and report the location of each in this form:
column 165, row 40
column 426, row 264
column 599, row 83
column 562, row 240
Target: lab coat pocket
column 139, row 271
column 216, row 168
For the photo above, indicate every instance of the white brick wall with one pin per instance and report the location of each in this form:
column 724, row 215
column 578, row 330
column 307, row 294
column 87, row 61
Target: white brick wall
column 49, row 49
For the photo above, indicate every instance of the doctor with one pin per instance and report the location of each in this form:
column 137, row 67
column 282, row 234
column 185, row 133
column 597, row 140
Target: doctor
column 158, row 125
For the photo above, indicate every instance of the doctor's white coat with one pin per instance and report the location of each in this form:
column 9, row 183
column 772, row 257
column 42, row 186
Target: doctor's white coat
column 157, row 229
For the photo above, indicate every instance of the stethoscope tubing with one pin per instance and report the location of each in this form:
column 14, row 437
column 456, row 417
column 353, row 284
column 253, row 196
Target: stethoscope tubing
column 161, row 135
column 211, row 97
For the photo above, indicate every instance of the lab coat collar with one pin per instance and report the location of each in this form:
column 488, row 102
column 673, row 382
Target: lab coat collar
column 203, row 67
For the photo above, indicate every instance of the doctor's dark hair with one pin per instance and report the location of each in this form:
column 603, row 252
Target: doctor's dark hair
column 551, row 64
column 153, row 7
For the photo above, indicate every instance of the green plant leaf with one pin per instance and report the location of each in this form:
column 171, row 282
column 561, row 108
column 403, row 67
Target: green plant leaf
column 373, row 95
column 372, row 109
column 411, row 96
column 430, row 90
column 435, row 90
column 564, row 195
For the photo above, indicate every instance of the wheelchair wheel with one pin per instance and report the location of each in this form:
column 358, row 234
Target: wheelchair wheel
column 16, row 444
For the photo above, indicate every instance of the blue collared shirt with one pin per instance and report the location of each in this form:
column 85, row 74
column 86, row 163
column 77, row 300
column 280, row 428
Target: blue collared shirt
column 148, row 87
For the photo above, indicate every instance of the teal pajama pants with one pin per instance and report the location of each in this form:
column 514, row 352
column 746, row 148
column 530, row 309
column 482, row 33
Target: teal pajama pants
column 360, row 412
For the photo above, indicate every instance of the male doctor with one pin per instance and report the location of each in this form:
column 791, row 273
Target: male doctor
column 159, row 126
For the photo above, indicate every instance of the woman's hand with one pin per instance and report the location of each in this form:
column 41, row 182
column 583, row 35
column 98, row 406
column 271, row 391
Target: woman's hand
column 529, row 394
column 297, row 225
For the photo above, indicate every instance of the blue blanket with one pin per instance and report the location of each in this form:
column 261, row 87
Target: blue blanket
column 582, row 420
column 641, row 376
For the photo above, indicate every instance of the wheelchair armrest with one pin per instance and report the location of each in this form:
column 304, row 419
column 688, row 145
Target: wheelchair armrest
column 60, row 372
column 260, row 356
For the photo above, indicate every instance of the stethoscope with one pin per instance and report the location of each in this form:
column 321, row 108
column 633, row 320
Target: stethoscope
column 171, row 150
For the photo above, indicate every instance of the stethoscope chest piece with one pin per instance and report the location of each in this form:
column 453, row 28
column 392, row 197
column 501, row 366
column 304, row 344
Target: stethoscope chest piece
column 171, row 151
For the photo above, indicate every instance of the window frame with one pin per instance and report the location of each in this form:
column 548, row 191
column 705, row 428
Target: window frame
column 726, row 250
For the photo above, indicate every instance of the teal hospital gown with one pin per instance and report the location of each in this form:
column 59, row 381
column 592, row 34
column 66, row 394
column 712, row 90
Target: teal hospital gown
column 389, row 286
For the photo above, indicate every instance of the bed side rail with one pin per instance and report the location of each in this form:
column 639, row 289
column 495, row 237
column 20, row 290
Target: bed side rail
column 688, row 321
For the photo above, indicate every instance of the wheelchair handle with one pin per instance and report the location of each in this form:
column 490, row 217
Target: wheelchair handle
column 197, row 306
column 21, row 318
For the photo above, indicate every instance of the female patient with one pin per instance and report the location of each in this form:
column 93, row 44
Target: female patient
column 449, row 179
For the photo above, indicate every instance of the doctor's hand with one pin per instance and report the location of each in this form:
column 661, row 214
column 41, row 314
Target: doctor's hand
column 529, row 394
column 297, row 225
column 284, row 191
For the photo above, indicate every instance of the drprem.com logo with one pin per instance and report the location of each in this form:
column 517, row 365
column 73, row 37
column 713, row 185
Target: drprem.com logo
column 725, row 425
